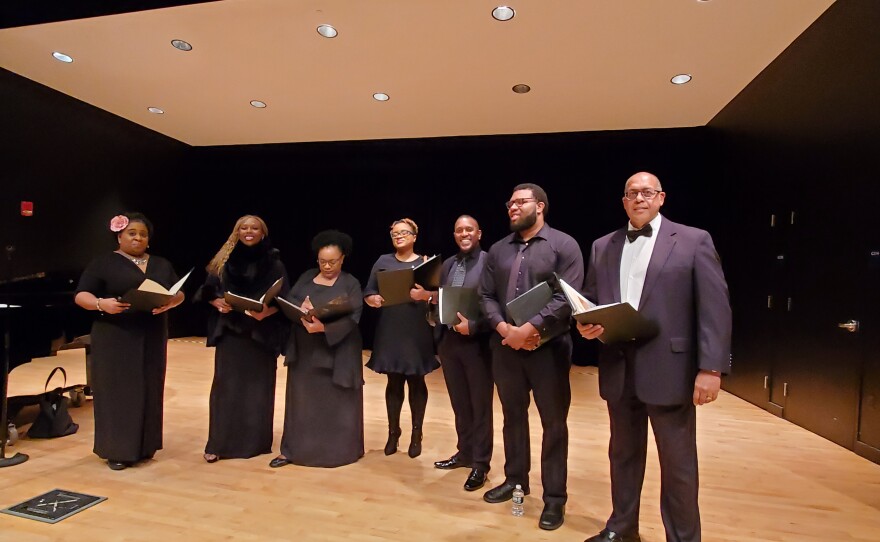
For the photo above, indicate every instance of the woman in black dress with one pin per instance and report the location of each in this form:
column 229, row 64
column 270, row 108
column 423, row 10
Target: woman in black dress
column 248, row 343
column 403, row 348
column 128, row 347
column 324, row 409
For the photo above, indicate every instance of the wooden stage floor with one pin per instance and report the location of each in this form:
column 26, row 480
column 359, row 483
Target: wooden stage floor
column 762, row 479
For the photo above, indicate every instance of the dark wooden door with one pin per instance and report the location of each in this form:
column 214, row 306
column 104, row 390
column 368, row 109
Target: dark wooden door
column 830, row 334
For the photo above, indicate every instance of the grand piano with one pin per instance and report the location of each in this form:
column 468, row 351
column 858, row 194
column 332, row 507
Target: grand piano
column 39, row 317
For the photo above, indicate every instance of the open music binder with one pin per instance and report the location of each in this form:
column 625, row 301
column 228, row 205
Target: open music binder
column 332, row 310
column 242, row 303
column 394, row 285
column 621, row 321
column 150, row 294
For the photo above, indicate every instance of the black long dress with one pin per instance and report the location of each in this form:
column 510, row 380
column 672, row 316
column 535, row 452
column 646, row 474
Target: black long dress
column 404, row 341
column 324, row 410
column 242, row 403
column 128, row 360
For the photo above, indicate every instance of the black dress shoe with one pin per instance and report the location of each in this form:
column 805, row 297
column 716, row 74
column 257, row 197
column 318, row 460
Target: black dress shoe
column 611, row 536
column 476, row 480
column 552, row 517
column 279, row 461
column 116, row 465
column 453, row 462
column 502, row 493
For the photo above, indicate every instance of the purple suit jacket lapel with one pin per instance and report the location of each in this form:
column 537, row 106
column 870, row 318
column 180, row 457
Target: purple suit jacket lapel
column 615, row 254
column 662, row 249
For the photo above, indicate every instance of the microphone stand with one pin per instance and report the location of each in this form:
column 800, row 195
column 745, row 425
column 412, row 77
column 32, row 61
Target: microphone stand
column 17, row 458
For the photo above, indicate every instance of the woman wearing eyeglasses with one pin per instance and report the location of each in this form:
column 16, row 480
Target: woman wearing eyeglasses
column 403, row 348
column 324, row 408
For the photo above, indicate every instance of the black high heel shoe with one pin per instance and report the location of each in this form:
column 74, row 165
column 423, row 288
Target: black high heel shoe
column 415, row 443
column 393, row 438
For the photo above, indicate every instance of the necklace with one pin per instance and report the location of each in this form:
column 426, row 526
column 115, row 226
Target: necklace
column 136, row 261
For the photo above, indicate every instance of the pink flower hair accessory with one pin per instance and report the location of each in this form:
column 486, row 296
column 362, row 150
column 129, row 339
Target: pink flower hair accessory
column 118, row 223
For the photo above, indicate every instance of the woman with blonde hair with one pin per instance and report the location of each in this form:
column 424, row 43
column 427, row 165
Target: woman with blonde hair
column 403, row 348
column 248, row 343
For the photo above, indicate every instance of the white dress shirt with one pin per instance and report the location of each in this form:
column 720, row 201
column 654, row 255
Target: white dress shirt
column 634, row 263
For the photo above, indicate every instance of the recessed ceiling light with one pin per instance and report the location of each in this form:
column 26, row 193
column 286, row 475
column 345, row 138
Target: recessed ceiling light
column 62, row 57
column 327, row 31
column 680, row 79
column 503, row 13
column 155, row 110
column 258, row 104
column 521, row 88
column 381, row 97
column 182, row 45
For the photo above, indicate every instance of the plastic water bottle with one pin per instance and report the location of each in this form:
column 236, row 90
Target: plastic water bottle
column 518, row 498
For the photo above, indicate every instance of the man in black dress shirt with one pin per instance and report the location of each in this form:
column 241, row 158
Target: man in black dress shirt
column 467, row 362
column 516, row 263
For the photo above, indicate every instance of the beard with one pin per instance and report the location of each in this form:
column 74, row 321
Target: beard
column 524, row 222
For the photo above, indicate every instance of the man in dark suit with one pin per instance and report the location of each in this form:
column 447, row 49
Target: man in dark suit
column 672, row 274
column 467, row 364
column 515, row 264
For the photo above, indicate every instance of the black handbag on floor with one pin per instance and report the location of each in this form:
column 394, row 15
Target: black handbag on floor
column 53, row 420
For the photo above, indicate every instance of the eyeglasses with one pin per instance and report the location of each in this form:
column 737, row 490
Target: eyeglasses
column 647, row 193
column 331, row 263
column 401, row 233
column 519, row 202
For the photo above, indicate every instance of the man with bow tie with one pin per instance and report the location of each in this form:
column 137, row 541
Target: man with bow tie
column 672, row 275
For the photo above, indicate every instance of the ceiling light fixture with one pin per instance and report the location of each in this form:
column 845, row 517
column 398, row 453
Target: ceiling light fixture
column 182, row 45
column 503, row 13
column 156, row 110
column 62, row 57
column 680, row 79
column 521, row 88
column 258, row 104
column 381, row 97
column 327, row 31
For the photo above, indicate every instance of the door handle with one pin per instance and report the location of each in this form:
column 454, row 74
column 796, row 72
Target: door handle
column 852, row 326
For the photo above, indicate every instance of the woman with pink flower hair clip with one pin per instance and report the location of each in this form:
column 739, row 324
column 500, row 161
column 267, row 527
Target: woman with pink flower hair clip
column 128, row 346
column 242, row 404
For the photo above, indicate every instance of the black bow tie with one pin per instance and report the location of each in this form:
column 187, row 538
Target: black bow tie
column 632, row 235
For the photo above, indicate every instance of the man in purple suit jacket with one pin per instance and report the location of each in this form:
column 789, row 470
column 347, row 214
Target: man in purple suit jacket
column 672, row 274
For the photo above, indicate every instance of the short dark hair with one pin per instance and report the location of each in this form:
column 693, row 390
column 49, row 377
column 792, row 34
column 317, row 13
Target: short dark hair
column 336, row 238
column 139, row 217
column 538, row 194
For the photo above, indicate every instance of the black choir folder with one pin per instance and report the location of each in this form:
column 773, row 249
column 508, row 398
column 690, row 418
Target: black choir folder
column 394, row 286
column 150, row 294
column 530, row 303
column 241, row 303
column 621, row 321
column 332, row 310
column 455, row 299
